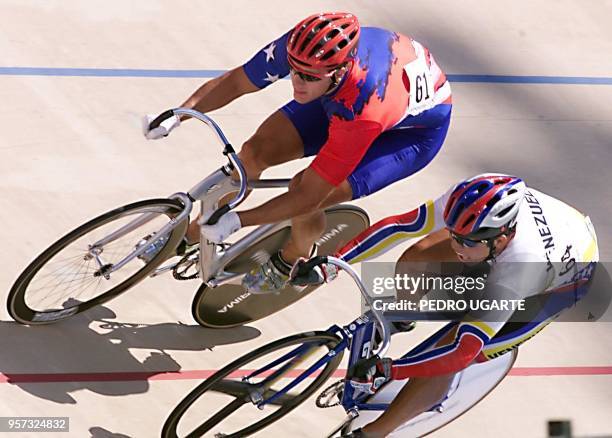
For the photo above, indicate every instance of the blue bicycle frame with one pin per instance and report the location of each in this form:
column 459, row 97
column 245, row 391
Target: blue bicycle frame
column 357, row 337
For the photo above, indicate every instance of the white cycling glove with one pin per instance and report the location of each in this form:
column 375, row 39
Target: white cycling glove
column 162, row 130
column 227, row 225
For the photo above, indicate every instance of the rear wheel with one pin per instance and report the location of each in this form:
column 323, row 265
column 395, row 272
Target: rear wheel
column 69, row 277
column 229, row 305
column 263, row 391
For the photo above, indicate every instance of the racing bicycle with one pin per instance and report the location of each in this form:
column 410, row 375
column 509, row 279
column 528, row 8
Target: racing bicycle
column 107, row 255
column 266, row 384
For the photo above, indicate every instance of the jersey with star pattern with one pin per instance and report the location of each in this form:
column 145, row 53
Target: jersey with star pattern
column 372, row 98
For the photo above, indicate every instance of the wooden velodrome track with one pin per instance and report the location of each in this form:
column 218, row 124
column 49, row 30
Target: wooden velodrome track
column 75, row 78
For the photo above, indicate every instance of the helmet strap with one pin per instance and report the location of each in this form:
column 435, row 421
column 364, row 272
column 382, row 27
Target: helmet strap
column 336, row 79
column 491, row 242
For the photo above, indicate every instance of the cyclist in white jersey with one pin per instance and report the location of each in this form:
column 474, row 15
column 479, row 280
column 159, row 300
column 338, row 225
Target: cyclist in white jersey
column 533, row 243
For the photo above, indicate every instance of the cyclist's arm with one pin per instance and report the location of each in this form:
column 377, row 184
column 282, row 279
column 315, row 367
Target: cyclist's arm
column 318, row 181
column 265, row 67
column 220, row 91
column 391, row 231
column 503, row 283
column 308, row 195
column 469, row 340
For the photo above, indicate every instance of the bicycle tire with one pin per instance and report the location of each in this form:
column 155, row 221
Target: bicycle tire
column 230, row 306
column 169, row 429
column 23, row 313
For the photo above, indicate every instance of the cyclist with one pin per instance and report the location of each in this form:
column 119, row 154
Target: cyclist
column 491, row 219
column 372, row 105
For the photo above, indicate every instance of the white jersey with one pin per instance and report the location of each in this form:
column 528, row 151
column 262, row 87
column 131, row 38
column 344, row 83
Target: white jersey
column 548, row 230
column 553, row 250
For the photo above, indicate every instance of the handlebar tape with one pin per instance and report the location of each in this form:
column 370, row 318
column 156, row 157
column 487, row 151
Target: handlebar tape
column 159, row 119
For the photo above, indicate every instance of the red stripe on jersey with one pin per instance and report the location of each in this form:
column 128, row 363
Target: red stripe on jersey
column 402, row 219
column 467, row 349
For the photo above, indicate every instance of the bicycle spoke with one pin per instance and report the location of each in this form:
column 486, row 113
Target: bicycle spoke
column 59, row 296
column 220, row 415
column 83, row 262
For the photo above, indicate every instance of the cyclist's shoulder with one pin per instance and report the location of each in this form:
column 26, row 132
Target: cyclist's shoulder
column 269, row 64
column 551, row 217
column 378, row 46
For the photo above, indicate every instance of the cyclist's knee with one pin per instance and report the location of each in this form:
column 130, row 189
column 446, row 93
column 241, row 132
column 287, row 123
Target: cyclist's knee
column 253, row 155
column 296, row 180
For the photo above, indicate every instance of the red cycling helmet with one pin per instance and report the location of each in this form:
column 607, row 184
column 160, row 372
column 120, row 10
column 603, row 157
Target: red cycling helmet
column 323, row 42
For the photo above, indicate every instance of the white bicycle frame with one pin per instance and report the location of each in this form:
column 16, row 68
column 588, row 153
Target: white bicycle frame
column 209, row 191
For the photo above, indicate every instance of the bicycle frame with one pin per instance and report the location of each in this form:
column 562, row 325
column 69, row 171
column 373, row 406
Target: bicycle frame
column 357, row 337
column 209, row 191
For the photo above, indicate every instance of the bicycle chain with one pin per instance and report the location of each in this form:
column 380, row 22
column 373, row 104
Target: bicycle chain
column 178, row 274
column 335, row 389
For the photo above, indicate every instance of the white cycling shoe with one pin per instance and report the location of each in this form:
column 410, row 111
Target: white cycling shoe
column 276, row 274
column 272, row 276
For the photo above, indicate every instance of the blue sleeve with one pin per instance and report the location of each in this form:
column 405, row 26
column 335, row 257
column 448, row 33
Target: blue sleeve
column 269, row 64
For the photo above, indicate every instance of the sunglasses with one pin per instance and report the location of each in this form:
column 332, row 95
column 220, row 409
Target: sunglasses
column 467, row 242
column 305, row 76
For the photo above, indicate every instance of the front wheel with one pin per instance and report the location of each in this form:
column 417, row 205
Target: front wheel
column 68, row 277
column 260, row 381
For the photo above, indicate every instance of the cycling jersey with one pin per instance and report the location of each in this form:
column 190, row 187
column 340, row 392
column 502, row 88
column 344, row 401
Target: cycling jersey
column 559, row 239
column 386, row 88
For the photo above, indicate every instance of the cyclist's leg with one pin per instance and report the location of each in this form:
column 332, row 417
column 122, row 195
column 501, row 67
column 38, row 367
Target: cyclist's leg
column 311, row 124
column 399, row 153
column 306, row 229
column 418, row 395
column 394, row 155
column 276, row 141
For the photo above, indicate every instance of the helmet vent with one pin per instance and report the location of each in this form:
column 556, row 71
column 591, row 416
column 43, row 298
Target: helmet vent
column 458, row 210
column 468, row 220
column 315, row 49
column 482, row 187
column 504, row 211
column 305, row 43
column 328, row 55
column 334, row 33
column 493, row 201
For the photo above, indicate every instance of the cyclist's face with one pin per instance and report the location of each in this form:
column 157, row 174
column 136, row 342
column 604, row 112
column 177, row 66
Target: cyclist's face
column 475, row 253
column 306, row 89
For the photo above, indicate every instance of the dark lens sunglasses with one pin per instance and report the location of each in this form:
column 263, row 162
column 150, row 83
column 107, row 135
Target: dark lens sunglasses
column 467, row 242
column 306, row 77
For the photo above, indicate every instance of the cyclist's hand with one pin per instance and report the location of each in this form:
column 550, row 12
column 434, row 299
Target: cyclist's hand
column 368, row 375
column 162, row 130
column 227, row 225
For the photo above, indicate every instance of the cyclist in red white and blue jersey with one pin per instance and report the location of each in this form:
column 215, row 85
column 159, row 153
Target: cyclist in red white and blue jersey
column 371, row 105
column 533, row 245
